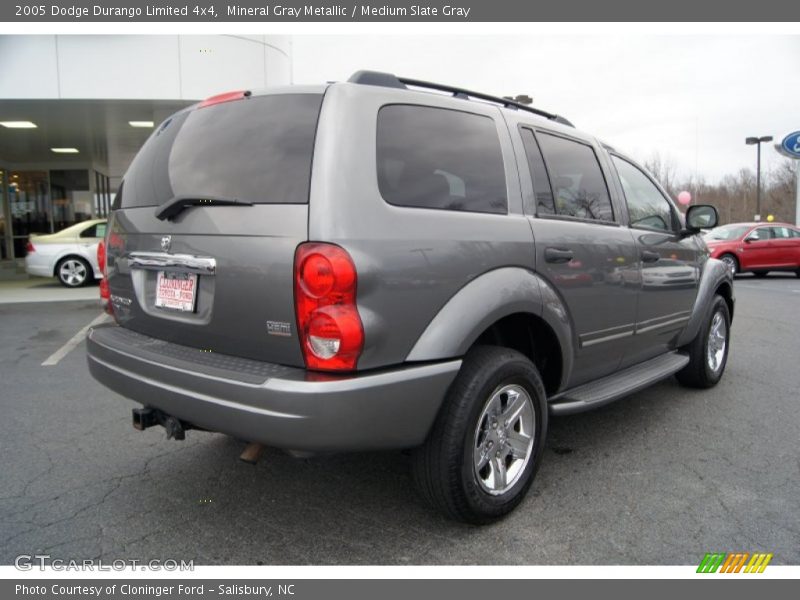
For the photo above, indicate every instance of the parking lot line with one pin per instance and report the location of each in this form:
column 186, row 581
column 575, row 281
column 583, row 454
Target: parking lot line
column 76, row 339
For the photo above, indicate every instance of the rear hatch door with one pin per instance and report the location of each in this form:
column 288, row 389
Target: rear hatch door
column 206, row 222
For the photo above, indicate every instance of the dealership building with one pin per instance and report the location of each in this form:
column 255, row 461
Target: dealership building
column 74, row 110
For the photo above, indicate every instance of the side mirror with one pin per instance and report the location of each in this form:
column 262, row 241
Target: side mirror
column 701, row 216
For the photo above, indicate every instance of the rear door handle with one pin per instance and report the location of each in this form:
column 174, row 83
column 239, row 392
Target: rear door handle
column 557, row 255
column 648, row 256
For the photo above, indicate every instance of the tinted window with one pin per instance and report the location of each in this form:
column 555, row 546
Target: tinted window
column 781, row 233
column 258, row 150
column 647, row 207
column 578, row 184
column 759, row 234
column 95, row 231
column 438, row 158
column 541, row 183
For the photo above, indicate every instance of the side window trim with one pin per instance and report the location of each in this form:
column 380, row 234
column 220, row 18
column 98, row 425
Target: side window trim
column 675, row 221
column 616, row 218
column 521, row 128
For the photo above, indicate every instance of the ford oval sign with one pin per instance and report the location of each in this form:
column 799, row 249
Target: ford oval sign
column 791, row 144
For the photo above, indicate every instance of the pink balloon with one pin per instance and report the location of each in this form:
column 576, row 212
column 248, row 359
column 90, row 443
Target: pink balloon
column 684, row 198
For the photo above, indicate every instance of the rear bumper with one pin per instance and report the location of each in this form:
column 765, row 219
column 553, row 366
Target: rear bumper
column 38, row 265
column 278, row 406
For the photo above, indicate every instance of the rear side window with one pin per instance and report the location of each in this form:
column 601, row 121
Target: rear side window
column 782, row 233
column 578, row 184
column 95, row 231
column 257, row 150
column 438, row 158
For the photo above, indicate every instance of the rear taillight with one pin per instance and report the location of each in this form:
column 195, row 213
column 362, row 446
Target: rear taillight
column 330, row 329
column 226, row 97
column 105, row 293
column 29, row 248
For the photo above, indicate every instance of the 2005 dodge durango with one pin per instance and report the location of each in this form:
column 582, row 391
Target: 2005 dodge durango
column 387, row 263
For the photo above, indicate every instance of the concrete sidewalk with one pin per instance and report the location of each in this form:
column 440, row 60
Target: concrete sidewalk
column 44, row 290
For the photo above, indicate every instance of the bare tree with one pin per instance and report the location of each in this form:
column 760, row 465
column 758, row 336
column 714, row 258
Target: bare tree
column 663, row 169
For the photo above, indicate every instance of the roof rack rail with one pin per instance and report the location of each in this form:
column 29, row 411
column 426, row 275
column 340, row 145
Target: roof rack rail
column 388, row 80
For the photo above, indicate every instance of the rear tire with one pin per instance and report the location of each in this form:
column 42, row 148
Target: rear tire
column 73, row 272
column 486, row 444
column 708, row 352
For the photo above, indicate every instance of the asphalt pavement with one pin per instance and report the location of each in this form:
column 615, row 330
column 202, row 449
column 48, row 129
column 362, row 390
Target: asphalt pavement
column 661, row 477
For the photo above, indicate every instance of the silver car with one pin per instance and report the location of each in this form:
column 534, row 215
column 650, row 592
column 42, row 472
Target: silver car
column 70, row 255
column 387, row 263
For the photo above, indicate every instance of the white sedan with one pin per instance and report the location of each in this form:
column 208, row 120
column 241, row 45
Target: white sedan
column 69, row 254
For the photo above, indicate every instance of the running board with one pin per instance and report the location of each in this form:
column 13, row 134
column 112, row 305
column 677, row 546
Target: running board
column 613, row 387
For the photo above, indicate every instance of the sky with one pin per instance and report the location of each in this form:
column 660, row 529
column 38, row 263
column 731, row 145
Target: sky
column 693, row 99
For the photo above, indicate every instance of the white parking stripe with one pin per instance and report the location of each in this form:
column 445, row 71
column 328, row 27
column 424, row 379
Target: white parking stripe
column 76, row 339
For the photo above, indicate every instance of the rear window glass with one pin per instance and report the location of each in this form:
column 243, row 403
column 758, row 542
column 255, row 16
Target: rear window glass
column 256, row 150
column 439, row 158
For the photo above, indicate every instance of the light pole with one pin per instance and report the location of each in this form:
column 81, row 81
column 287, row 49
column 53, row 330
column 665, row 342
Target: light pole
column 758, row 141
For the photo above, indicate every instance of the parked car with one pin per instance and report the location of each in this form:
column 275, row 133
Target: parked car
column 70, row 255
column 756, row 247
column 368, row 265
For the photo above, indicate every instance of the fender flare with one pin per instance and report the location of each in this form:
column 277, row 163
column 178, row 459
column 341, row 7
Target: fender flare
column 715, row 273
column 484, row 301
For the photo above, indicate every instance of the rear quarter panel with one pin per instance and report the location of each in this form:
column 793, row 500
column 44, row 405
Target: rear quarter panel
column 410, row 261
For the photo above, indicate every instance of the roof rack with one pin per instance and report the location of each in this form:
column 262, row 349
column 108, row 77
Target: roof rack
column 388, row 80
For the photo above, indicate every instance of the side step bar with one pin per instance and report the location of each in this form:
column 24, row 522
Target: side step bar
column 613, row 387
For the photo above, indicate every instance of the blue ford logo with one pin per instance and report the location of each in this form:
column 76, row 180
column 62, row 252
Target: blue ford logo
column 791, row 144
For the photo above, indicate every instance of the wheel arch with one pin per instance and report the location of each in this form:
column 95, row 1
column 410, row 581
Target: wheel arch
column 511, row 307
column 716, row 278
column 68, row 255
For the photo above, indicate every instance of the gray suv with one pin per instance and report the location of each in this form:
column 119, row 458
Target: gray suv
column 388, row 263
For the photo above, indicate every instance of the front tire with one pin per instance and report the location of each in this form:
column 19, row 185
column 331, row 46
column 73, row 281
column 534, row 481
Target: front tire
column 486, row 444
column 708, row 352
column 731, row 261
column 73, row 272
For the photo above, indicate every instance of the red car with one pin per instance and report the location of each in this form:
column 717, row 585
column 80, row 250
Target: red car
column 756, row 247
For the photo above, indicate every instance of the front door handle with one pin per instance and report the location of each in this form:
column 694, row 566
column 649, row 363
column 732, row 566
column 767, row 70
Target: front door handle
column 557, row 255
column 648, row 256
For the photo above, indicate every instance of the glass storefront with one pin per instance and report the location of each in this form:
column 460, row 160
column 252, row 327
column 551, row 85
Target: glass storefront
column 29, row 201
column 71, row 197
column 42, row 201
column 5, row 218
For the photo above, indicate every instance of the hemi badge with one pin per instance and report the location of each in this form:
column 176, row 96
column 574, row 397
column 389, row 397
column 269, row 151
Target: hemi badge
column 279, row 328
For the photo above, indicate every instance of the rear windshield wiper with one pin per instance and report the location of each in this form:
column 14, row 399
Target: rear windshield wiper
column 172, row 208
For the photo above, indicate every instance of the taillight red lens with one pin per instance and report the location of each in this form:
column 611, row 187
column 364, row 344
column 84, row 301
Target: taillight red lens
column 105, row 292
column 101, row 256
column 328, row 323
column 29, row 248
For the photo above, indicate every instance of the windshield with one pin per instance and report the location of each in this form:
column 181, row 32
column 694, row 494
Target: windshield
column 728, row 232
column 257, row 150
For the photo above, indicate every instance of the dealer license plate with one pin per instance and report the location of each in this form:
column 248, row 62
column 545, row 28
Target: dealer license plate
column 176, row 291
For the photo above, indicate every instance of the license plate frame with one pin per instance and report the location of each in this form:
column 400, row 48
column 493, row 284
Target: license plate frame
column 178, row 297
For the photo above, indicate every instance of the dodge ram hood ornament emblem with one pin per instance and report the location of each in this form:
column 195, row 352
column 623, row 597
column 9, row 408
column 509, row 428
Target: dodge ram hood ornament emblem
column 166, row 242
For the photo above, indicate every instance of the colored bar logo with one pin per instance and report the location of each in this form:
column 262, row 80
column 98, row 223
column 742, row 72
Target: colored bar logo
column 734, row 562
